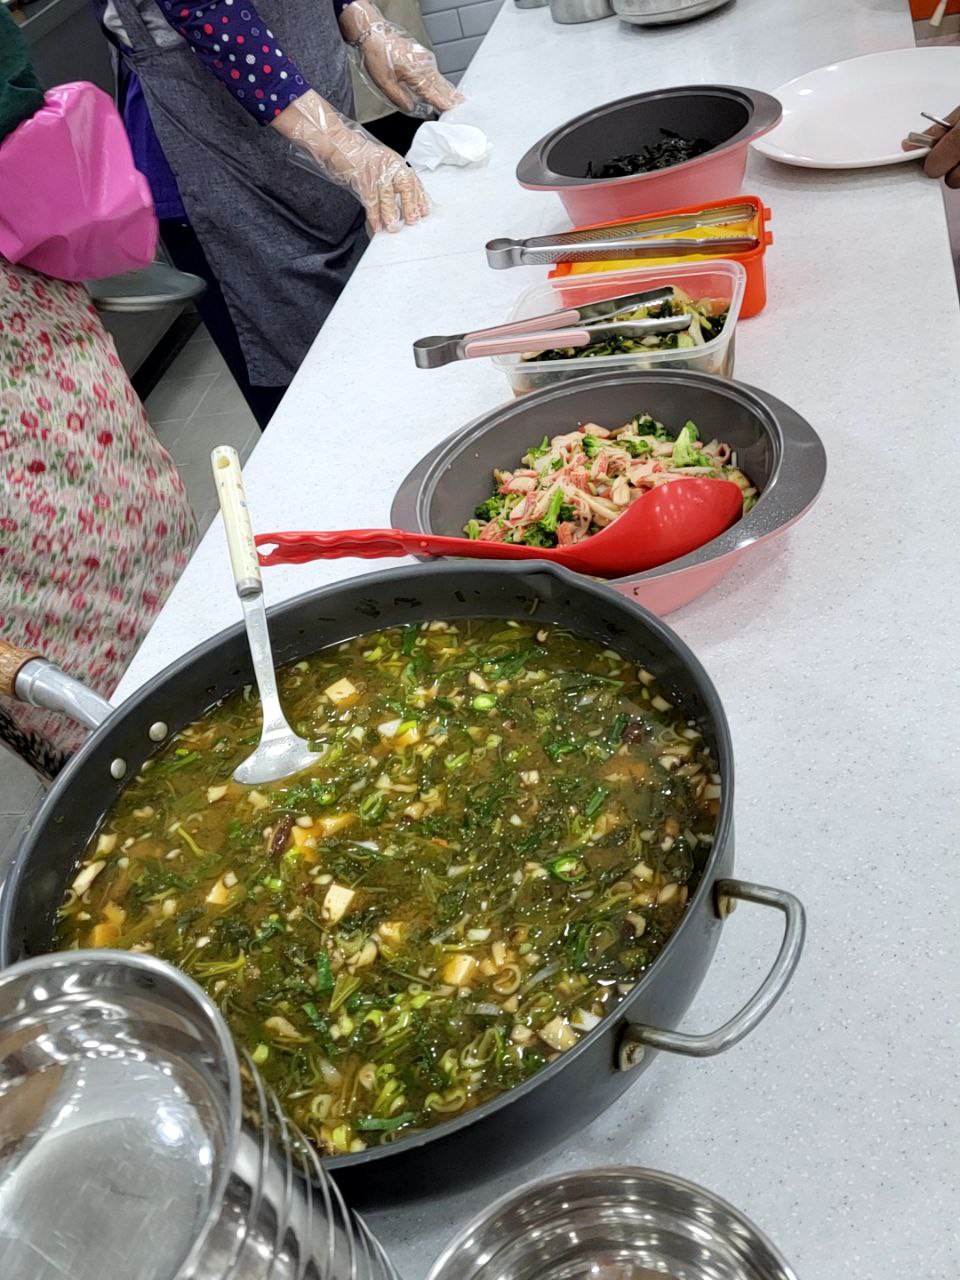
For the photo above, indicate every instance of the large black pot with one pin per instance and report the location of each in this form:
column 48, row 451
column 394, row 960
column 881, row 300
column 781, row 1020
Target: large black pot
column 570, row 1092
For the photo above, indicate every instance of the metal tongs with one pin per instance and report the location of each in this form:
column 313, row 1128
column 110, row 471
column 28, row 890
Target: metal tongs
column 927, row 139
column 542, row 333
column 626, row 240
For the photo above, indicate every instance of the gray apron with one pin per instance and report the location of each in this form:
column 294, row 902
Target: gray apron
column 281, row 241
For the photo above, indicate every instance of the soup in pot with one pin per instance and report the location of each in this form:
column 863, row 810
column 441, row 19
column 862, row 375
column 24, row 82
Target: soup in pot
column 499, row 837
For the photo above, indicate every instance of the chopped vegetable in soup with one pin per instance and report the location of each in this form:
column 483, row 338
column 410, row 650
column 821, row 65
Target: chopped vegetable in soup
column 498, row 840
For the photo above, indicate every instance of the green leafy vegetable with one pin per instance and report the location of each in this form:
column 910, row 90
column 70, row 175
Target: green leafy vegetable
column 567, row 868
column 384, row 1124
column 684, row 452
column 595, row 803
column 549, row 519
column 491, row 507
column 325, row 979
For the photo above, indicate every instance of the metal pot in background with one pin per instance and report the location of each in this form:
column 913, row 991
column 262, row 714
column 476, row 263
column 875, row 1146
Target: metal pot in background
column 569, row 11
column 661, row 13
column 611, row 1224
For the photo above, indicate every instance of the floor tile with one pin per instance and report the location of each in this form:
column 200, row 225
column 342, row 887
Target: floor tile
column 177, row 397
column 205, row 519
column 198, row 482
column 8, row 826
column 197, row 359
column 167, row 432
column 203, row 432
column 11, row 825
column 225, row 397
column 19, row 785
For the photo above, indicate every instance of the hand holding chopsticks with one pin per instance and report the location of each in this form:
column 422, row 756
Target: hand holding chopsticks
column 943, row 140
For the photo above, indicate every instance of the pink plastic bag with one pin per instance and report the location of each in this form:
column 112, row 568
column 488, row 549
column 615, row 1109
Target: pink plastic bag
column 72, row 205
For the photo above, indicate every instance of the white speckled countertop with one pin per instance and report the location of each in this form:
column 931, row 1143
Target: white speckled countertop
column 835, row 1126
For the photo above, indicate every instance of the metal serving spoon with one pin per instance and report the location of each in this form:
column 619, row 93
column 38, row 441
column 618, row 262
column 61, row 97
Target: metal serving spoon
column 281, row 752
column 667, row 522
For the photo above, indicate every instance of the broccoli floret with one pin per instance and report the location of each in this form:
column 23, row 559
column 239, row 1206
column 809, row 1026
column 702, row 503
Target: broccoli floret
column 538, row 450
column 472, row 528
column 548, row 521
column 590, row 446
column 684, row 453
column 491, row 508
column 566, row 512
column 538, row 537
column 636, row 448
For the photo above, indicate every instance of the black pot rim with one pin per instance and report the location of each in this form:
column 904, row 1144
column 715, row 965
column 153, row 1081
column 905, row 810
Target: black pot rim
column 401, row 578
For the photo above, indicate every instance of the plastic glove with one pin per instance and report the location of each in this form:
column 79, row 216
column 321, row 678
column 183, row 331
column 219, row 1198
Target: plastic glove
column 943, row 160
column 394, row 64
column 340, row 150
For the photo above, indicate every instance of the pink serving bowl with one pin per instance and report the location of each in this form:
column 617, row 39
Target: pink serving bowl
column 778, row 450
column 727, row 116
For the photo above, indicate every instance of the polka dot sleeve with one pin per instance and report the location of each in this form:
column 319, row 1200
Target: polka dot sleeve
column 234, row 42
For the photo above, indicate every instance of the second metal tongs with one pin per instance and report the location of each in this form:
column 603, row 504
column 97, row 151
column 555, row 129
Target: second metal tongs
column 626, row 240
column 542, row 333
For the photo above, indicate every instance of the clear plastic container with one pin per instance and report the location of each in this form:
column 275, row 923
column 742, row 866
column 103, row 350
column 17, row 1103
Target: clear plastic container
column 718, row 279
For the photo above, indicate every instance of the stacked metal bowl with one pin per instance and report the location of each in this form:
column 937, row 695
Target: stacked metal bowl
column 135, row 1143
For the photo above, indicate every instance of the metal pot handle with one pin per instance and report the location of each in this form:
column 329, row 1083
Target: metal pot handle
column 32, row 679
column 636, row 1039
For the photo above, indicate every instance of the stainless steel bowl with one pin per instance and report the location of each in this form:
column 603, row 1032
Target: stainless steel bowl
column 661, row 13
column 611, row 1224
column 121, row 1108
column 120, row 1083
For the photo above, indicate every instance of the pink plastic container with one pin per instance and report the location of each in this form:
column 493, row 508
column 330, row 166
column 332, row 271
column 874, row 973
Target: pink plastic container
column 727, row 116
column 716, row 278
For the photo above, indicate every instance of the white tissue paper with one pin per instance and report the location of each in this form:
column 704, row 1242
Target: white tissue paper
column 438, row 143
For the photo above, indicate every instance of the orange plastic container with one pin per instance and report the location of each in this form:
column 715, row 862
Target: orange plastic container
column 755, row 296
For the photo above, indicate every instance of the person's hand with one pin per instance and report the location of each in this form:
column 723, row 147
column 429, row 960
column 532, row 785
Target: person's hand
column 405, row 72
column 943, row 160
column 344, row 153
column 401, row 69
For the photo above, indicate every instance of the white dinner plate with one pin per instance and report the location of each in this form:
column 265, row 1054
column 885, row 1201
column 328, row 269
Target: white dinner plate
column 852, row 115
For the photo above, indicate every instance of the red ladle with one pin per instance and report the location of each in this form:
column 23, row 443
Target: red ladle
column 667, row 522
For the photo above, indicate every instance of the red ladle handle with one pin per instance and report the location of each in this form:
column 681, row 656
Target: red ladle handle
column 372, row 544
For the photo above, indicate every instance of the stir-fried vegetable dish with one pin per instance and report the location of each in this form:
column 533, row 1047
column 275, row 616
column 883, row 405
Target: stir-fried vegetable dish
column 499, row 838
column 707, row 318
column 572, row 486
column 670, row 150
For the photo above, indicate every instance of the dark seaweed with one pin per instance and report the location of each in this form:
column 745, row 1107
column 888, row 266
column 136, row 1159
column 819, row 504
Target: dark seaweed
column 670, row 150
